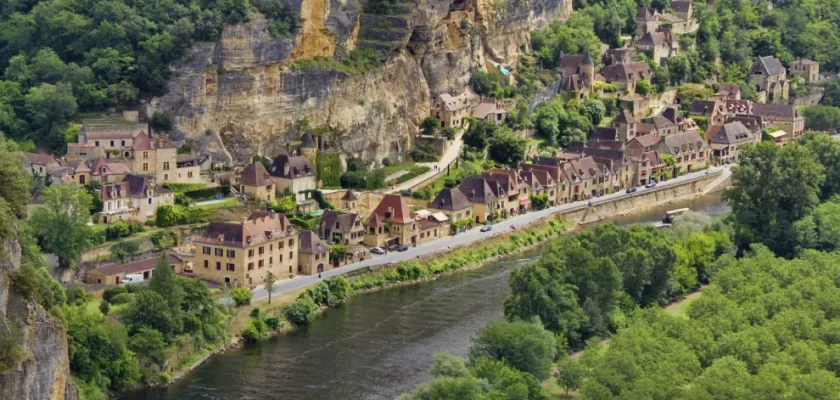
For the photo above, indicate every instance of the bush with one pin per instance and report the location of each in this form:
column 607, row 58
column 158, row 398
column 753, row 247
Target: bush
column 121, row 298
column 241, row 296
column 273, row 322
column 77, row 296
column 104, row 307
column 161, row 122
column 250, row 334
column 123, row 251
column 11, row 347
column 255, row 313
column 301, row 311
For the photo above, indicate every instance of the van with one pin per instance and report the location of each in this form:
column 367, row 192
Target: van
column 132, row 278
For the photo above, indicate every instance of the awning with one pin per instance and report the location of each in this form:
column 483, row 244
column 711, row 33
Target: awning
column 524, row 201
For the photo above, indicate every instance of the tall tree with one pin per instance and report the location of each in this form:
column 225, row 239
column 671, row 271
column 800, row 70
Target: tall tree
column 61, row 223
column 14, row 191
column 165, row 283
column 269, row 284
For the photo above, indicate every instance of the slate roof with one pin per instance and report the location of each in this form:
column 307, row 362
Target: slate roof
column 255, row 175
column 307, row 142
column 38, row 158
column 647, row 141
column 134, row 267
column 299, row 167
column 450, row 200
column 115, row 131
column 685, row 141
column 350, row 195
column 113, row 191
column 768, row 65
column 625, row 72
column 310, row 243
column 624, row 117
column 729, row 133
column 259, row 227
column 478, row 190
column 680, row 6
column 702, row 107
column 653, row 39
column 775, row 111
column 345, row 221
column 602, row 133
column 487, row 106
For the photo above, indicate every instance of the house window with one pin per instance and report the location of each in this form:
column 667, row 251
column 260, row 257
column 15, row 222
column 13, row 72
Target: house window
column 291, row 242
column 206, row 250
column 189, row 174
column 271, row 247
column 270, row 260
column 250, row 266
column 218, row 266
column 280, row 259
column 291, row 255
column 122, row 142
column 317, row 256
column 150, row 200
column 219, row 252
column 96, row 143
column 145, row 155
column 206, row 264
column 251, row 253
column 231, row 253
column 166, row 165
column 260, row 264
column 231, row 267
column 145, row 166
column 112, row 143
column 262, row 250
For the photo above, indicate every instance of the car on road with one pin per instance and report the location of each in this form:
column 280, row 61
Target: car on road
column 487, row 228
column 402, row 248
column 377, row 250
column 707, row 172
column 651, row 184
column 631, row 189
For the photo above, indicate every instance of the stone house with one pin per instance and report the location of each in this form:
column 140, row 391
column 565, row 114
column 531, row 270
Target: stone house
column 38, row 164
column 136, row 197
column 591, row 178
column 625, row 126
column 114, row 273
column 451, row 110
column 713, row 110
column 343, row 228
column 294, row 173
column 391, row 223
column 784, row 117
column 636, row 104
column 242, row 253
column 769, row 78
column 257, row 183
column 647, row 165
column 489, row 110
column 622, row 55
column 727, row 139
column 683, row 9
column 647, row 20
column 434, row 226
column 625, row 76
column 103, row 171
column 689, row 150
column 314, row 254
column 644, row 143
column 807, row 69
column 553, row 168
column 512, row 192
column 580, row 65
column 349, row 200
column 671, row 122
column 453, row 203
column 731, row 91
column 658, row 45
column 541, row 183
column 485, row 203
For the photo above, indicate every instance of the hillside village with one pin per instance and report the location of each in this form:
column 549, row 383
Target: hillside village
column 285, row 218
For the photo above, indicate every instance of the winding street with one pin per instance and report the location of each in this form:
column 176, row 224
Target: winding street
column 472, row 235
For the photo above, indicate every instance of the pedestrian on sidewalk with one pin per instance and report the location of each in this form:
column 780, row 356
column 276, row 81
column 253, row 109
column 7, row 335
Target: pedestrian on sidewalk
column 319, row 275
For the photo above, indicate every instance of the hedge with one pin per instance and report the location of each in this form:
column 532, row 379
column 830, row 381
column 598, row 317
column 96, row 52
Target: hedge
column 328, row 169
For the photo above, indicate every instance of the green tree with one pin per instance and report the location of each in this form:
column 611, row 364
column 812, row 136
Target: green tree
column 593, row 109
column 446, row 364
column 826, row 150
column 14, row 192
column 270, row 279
column 643, row 87
column 525, row 346
column 241, row 296
column 821, row 118
column 430, row 125
column 570, row 375
column 149, row 309
column 50, row 108
column 507, row 148
column 150, row 344
column 60, row 224
column 165, row 283
column 479, row 133
column 484, row 83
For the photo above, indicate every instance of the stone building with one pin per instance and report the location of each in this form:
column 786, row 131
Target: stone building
column 314, row 254
column 342, row 228
column 625, row 76
column 242, row 253
column 453, row 203
column 451, row 110
column 257, row 183
column 391, row 223
column 294, row 173
column 727, row 139
column 485, row 203
column 689, row 150
column 807, row 69
column 769, row 78
column 784, row 117
column 136, row 198
column 658, row 45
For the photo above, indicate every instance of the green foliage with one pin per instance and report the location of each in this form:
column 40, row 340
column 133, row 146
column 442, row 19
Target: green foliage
column 412, row 173
column 430, row 125
column 11, row 346
column 484, row 83
column 150, row 344
column 506, row 148
column 301, row 311
column 60, row 224
column 123, row 251
column 821, row 118
column 111, row 292
column 478, row 133
column 241, row 296
column 593, row 109
column 121, row 298
column 557, row 124
column 284, row 20
column 149, row 309
column 328, row 169
column 169, row 215
column 525, row 346
column 539, row 201
column 573, row 36
column 161, row 122
column 284, row 204
column 420, row 153
column 643, row 87
column 357, row 61
column 104, row 307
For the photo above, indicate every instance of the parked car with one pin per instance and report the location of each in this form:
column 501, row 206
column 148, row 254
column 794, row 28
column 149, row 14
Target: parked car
column 651, row 184
column 631, row 189
column 487, row 228
column 402, row 248
column 377, row 250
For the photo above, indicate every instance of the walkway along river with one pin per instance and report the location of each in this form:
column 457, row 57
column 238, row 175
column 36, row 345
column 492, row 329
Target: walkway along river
column 375, row 347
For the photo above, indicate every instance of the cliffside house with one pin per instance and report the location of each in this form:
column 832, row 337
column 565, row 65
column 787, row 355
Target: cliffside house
column 504, row 72
column 136, row 197
column 294, row 173
column 453, row 203
column 580, row 65
column 727, row 139
column 784, row 117
column 453, row 110
column 769, row 78
column 39, row 164
column 257, row 183
column 391, row 223
column 647, row 20
column 489, row 110
column 683, row 9
column 342, row 228
column 731, row 91
column 114, row 273
column 713, row 110
column 658, row 45
column 689, row 150
column 485, row 202
column 807, row 69
column 622, row 55
column 241, row 253
column 625, row 76
column 131, row 144
column 314, row 254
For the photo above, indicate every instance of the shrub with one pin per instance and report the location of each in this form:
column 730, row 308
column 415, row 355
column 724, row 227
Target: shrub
column 255, row 313
column 77, row 296
column 301, row 311
column 241, row 296
column 11, row 347
column 104, row 307
column 250, row 334
column 121, row 298
column 273, row 322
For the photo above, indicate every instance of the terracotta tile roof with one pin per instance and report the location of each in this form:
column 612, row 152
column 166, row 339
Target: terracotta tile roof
column 260, row 227
column 291, row 167
column 310, row 243
column 392, row 208
column 255, row 175
column 142, row 142
column 487, row 106
column 450, row 199
column 135, row 267
column 38, row 158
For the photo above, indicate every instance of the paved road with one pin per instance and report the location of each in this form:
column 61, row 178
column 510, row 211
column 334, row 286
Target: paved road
column 466, row 237
column 452, row 152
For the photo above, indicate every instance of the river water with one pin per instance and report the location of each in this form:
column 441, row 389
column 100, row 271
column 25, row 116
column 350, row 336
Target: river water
column 378, row 345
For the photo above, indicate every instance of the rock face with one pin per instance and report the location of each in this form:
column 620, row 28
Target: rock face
column 245, row 93
column 44, row 373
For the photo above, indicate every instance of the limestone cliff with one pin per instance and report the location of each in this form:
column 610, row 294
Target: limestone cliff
column 245, row 93
column 44, row 373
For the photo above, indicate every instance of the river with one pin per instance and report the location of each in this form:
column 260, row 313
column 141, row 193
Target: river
column 378, row 345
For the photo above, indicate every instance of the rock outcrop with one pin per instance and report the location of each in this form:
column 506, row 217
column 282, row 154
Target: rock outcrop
column 245, row 93
column 44, row 372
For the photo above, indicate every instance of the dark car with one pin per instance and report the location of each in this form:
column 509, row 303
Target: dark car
column 651, row 184
column 631, row 189
column 486, row 228
column 377, row 250
column 402, row 248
